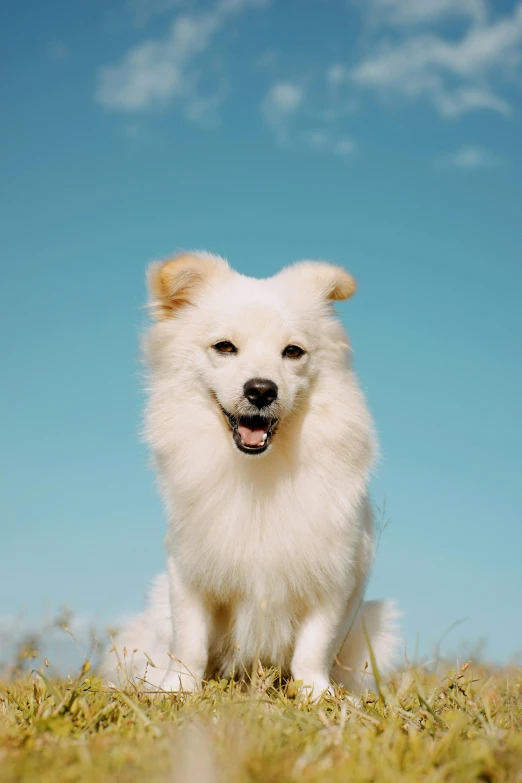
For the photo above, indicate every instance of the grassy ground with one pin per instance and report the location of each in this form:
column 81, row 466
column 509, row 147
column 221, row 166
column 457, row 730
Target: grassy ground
column 462, row 725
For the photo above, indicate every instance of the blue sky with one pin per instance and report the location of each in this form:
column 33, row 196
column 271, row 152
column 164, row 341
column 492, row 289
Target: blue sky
column 382, row 135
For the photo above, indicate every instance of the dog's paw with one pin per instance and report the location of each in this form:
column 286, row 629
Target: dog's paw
column 314, row 688
column 179, row 682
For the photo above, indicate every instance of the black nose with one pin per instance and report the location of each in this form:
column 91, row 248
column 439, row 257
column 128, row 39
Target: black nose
column 260, row 392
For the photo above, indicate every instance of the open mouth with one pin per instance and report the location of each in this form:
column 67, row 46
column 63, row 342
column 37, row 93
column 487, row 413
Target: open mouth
column 252, row 434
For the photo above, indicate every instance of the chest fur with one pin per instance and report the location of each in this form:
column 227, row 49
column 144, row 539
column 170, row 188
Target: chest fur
column 271, row 542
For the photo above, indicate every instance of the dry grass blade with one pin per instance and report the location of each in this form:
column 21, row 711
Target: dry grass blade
column 463, row 725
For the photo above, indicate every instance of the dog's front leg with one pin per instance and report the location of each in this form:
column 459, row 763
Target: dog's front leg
column 314, row 642
column 190, row 629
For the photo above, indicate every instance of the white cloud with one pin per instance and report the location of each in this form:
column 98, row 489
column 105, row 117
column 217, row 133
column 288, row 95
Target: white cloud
column 419, row 12
column 204, row 109
column 345, row 147
column 340, row 101
column 160, row 70
column 142, row 11
column 464, row 99
column 283, row 99
column 132, row 131
column 470, row 157
column 288, row 109
column 455, row 75
column 322, row 140
column 268, row 59
column 57, row 50
column 154, row 71
column 140, row 134
column 318, row 139
column 338, row 74
column 337, row 109
column 280, row 106
column 234, row 6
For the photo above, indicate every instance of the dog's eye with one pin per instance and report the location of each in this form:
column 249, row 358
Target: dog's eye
column 293, row 352
column 225, row 346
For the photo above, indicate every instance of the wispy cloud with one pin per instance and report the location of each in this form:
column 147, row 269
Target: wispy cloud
column 455, row 75
column 323, row 140
column 338, row 74
column 139, row 133
column 470, row 157
column 268, row 59
column 161, row 70
column 317, row 139
column 421, row 12
column 204, row 109
column 132, row 131
column 279, row 107
column 411, row 54
column 58, row 50
column 142, row 11
column 154, row 72
column 346, row 147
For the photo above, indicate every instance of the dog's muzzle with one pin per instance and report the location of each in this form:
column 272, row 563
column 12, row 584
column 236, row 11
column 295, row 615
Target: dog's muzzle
column 251, row 434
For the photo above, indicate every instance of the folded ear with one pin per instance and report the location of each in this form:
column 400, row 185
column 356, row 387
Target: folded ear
column 178, row 281
column 331, row 282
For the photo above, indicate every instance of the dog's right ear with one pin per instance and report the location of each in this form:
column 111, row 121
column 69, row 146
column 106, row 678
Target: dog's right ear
column 333, row 283
column 177, row 282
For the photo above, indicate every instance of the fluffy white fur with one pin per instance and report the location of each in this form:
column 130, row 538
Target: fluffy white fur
column 268, row 555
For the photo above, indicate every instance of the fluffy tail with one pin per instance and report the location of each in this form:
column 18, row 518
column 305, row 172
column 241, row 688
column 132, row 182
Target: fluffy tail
column 140, row 652
column 375, row 625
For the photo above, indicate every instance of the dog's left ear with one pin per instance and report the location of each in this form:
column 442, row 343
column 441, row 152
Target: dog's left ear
column 178, row 282
column 333, row 282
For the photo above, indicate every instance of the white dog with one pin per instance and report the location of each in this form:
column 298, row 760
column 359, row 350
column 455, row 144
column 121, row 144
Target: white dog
column 264, row 445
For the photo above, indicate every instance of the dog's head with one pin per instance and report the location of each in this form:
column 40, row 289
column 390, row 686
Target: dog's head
column 252, row 347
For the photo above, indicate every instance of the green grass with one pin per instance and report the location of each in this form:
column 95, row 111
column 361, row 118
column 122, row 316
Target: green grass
column 463, row 725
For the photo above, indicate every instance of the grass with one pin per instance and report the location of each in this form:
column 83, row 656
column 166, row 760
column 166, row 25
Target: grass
column 426, row 724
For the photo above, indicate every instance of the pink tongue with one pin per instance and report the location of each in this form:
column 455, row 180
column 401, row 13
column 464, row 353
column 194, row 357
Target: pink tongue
column 251, row 437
